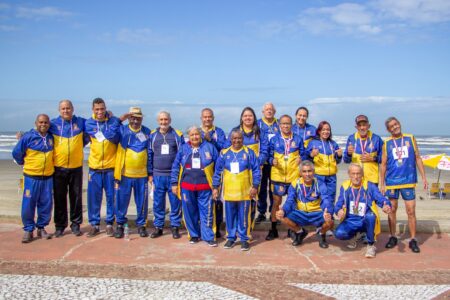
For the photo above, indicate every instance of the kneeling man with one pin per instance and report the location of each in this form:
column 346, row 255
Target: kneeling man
column 307, row 204
column 357, row 210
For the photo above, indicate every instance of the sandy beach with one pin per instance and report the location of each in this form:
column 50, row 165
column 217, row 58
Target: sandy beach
column 428, row 209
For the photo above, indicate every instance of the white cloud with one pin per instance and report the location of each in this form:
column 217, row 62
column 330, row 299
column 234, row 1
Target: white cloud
column 4, row 6
column 140, row 36
column 347, row 18
column 8, row 28
column 124, row 102
column 378, row 99
column 46, row 12
column 422, row 11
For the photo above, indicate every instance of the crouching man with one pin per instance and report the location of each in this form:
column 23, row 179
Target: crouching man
column 357, row 210
column 307, row 204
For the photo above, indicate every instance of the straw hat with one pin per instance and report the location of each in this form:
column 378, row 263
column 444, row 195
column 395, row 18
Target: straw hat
column 136, row 112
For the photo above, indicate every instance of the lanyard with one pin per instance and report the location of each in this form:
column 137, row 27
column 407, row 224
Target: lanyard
column 98, row 126
column 363, row 146
column 329, row 144
column 356, row 199
column 62, row 128
column 287, row 145
column 399, row 152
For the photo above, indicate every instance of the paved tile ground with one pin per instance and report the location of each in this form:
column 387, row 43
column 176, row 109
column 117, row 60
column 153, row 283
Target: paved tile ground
column 267, row 271
column 58, row 287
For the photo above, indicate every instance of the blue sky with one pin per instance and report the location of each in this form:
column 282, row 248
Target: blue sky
column 340, row 59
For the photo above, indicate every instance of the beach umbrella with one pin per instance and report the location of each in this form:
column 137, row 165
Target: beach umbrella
column 439, row 161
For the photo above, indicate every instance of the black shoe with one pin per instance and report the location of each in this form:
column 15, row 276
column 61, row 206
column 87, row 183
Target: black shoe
column 413, row 246
column 323, row 241
column 175, row 233
column 261, row 218
column 194, row 240
column 299, row 237
column 157, row 232
column 290, row 234
column 93, row 231
column 273, row 234
column 245, row 246
column 118, row 234
column 229, row 244
column 392, row 242
column 42, row 234
column 142, row 231
column 27, row 237
column 212, row 243
column 76, row 230
column 59, row 233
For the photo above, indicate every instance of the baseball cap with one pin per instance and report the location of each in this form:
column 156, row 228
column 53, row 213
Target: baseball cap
column 361, row 118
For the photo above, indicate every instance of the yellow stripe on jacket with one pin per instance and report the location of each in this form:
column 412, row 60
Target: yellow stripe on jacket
column 325, row 165
column 236, row 187
column 68, row 152
column 102, row 154
column 38, row 163
column 285, row 171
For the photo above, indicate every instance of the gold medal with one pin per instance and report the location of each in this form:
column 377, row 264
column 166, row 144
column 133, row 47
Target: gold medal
column 355, row 210
column 286, row 158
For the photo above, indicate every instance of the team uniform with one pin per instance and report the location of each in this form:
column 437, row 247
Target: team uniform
column 104, row 137
column 70, row 138
column 270, row 130
column 305, row 204
column 132, row 171
column 219, row 140
column 163, row 149
column 307, row 133
column 286, row 151
column 372, row 145
column 401, row 174
column 260, row 147
column 361, row 213
column 325, row 163
column 35, row 153
column 192, row 172
column 237, row 172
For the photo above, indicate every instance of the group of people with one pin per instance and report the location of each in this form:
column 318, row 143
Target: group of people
column 212, row 174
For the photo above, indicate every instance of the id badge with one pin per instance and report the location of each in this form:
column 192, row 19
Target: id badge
column 358, row 211
column 271, row 135
column 400, row 152
column 234, row 166
column 99, row 136
column 141, row 137
column 165, row 149
column 196, row 163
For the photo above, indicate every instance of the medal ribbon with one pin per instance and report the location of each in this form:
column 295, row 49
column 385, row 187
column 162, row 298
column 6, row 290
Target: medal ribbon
column 399, row 153
column 356, row 199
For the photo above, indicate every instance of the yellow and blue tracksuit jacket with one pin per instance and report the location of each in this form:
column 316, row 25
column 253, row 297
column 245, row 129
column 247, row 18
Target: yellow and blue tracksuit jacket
column 70, row 138
column 35, row 153
column 401, row 174
column 325, row 163
column 218, row 138
column 370, row 195
column 102, row 154
column 316, row 198
column 236, row 187
column 132, row 159
column 259, row 145
column 286, row 171
column 307, row 133
column 373, row 145
column 270, row 128
column 208, row 157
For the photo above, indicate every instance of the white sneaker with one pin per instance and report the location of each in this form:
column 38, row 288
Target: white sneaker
column 371, row 251
column 353, row 243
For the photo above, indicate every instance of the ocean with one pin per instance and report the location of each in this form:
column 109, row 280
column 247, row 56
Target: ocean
column 427, row 144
